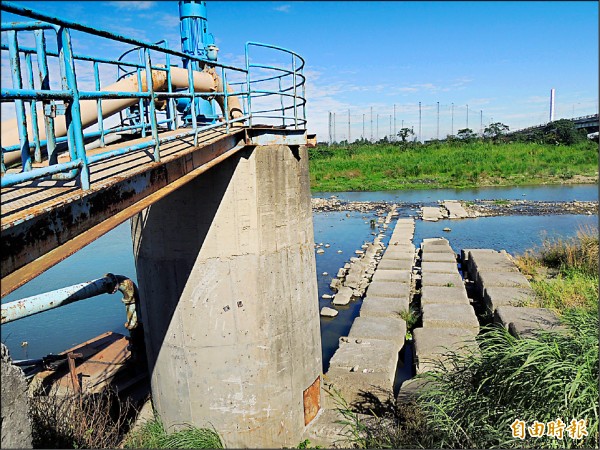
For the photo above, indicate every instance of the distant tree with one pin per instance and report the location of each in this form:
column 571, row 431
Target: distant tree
column 562, row 132
column 466, row 135
column 495, row 131
column 404, row 133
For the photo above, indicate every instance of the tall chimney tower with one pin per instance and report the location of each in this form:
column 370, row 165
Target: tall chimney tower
column 552, row 105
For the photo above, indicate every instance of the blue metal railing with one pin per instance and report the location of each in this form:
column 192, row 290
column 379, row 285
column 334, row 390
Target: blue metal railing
column 51, row 101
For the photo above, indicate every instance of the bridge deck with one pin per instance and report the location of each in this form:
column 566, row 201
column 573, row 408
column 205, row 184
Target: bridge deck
column 39, row 218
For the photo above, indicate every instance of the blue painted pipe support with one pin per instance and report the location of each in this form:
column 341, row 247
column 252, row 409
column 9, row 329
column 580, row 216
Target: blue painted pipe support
column 17, row 81
column 109, row 284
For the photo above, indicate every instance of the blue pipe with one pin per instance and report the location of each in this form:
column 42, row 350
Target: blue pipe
column 109, row 284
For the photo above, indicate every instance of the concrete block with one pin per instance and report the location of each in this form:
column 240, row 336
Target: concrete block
column 455, row 210
column 410, row 390
column 327, row 429
column 343, row 296
column 470, row 255
column 447, row 257
column 374, row 355
column 392, row 264
column 407, row 258
column 401, row 276
column 438, row 267
column 505, row 279
column 466, row 260
column 328, row 312
column 496, row 296
column 456, row 295
column 383, row 306
column 441, row 279
column 524, row 322
column 359, row 389
column 402, row 236
column 448, row 316
column 406, row 221
column 436, row 246
column 389, row 289
column 384, row 328
column 401, row 245
column 497, row 262
column 431, row 213
column 432, row 344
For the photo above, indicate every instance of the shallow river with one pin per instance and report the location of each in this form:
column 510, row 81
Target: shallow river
column 59, row 329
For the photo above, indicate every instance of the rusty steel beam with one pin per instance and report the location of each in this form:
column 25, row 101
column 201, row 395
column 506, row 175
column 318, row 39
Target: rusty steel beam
column 44, row 238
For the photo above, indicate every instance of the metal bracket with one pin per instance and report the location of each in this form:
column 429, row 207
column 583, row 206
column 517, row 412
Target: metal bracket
column 54, row 109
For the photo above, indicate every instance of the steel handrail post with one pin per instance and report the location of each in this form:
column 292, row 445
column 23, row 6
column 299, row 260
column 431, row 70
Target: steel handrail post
column 142, row 107
column 152, row 106
column 74, row 111
column 193, row 100
column 248, row 85
column 42, row 62
column 281, row 101
column 99, row 105
column 303, row 95
column 295, row 93
column 33, row 107
column 171, row 108
column 225, row 102
column 17, row 81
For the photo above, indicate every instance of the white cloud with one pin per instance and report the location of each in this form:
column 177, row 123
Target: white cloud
column 283, row 8
column 132, row 5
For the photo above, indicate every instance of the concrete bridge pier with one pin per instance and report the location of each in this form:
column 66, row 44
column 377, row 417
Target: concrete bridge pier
column 227, row 280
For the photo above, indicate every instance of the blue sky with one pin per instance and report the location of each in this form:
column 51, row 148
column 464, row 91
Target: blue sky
column 500, row 58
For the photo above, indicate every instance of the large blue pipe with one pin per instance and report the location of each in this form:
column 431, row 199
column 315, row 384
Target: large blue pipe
column 196, row 41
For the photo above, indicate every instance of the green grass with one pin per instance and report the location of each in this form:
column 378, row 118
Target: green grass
column 153, row 435
column 375, row 167
column 564, row 272
column 473, row 402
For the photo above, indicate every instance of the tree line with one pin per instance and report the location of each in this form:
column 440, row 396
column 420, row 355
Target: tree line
column 559, row 132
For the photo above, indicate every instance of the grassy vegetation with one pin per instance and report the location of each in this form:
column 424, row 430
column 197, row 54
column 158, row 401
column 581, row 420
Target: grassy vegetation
column 153, row 435
column 472, row 401
column 371, row 167
column 564, row 273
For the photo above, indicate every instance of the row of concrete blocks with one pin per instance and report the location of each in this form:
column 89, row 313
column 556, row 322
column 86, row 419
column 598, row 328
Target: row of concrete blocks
column 506, row 291
column 449, row 321
column 366, row 360
column 451, row 209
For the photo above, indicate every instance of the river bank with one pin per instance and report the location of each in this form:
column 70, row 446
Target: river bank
column 475, row 208
column 378, row 167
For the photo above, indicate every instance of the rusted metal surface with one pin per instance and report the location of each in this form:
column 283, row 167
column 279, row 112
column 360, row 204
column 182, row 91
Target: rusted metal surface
column 276, row 136
column 312, row 401
column 100, row 360
column 35, row 230
column 72, row 372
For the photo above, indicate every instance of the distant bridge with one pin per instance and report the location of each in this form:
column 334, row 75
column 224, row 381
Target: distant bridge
column 588, row 123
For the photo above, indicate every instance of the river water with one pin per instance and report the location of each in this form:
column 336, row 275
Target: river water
column 59, row 329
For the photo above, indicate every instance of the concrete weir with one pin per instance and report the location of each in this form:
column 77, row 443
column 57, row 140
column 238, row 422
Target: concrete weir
column 506, row 292
column 366, row 360
column 229, row 299
column 449, row 320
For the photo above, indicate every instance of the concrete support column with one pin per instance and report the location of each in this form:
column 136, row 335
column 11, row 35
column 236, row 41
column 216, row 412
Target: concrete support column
column 227, row 281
